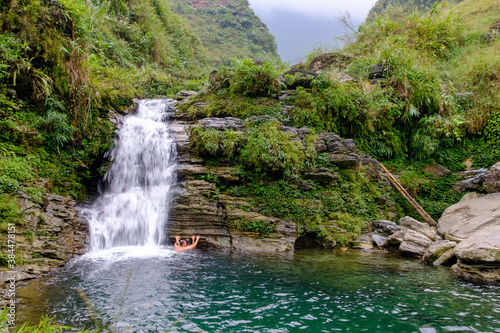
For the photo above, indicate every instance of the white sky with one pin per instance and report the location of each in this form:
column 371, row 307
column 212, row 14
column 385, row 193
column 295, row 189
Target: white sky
column 321, row 8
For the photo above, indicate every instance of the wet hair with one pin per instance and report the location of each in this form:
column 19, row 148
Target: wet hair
column 188, row 241
column 182, row 242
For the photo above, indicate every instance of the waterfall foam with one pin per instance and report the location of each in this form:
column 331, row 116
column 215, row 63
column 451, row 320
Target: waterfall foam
column 134, row 208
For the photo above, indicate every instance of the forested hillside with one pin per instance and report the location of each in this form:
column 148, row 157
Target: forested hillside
column 227, row 29
column 64, row 65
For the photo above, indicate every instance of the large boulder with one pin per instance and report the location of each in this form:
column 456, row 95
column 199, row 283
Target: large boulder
column 477, row 223
column 481, row 247
column 465, row 218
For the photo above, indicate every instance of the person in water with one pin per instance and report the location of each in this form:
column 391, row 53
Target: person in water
column 182, row 245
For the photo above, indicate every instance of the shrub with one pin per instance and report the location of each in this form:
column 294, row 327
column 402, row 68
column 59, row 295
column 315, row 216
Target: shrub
column 9, row 211
column 16, row 168
column 250, row 79
column 344, row 231
column 270, row 150
column 492, row 130
column 58, row 130
column 8, row 185
column 215, row 143
column 262, row 227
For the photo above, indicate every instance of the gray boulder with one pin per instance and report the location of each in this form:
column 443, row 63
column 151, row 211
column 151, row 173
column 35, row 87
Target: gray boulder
column 420, row 227
column 465, row 218
column 395, row 240
column 385, row 227
column 437, row 249
column 379, row 240
column 492, row 182
column 481, row 247
column 414, row 243
column 473, row 180
column 476, row 222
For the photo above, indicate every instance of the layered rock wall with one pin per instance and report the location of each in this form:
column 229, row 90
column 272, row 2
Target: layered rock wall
column 54, row 232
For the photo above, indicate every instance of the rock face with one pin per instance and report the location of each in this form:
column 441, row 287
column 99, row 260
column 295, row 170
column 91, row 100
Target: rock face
column 198, row 210
column 55, row 232
column 477, row 223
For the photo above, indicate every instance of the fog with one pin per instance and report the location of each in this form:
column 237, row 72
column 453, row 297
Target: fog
column 301, row 26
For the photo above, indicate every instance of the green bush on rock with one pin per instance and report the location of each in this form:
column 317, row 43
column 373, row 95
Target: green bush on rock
column 272, row 151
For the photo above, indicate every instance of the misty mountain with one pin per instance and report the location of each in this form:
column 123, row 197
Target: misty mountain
column 298, row 34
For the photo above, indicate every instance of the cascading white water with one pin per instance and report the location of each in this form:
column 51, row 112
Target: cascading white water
column 134, row 207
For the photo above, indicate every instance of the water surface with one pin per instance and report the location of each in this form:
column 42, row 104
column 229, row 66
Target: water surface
column 156, row 289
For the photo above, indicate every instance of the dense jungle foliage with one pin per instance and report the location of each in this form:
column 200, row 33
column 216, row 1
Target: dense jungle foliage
column 63, row 66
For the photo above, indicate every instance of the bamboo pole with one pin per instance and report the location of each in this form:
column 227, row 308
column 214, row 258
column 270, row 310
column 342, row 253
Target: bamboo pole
column 408, row 197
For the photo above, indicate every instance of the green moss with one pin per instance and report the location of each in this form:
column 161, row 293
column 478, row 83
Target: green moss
column 262, row 227
column 9, row 212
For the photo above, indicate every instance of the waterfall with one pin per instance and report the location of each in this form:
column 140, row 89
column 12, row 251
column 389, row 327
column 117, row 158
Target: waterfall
column 134, row 207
